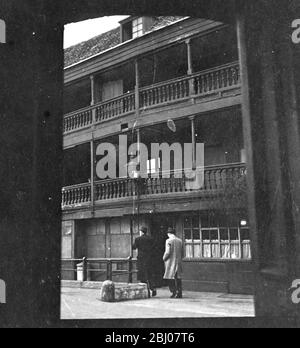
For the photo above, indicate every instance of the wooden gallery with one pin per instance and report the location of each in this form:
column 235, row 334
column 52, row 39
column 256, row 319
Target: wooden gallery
column 157, row 80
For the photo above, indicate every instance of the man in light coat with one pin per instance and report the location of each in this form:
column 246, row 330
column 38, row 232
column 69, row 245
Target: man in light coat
column 173, row 263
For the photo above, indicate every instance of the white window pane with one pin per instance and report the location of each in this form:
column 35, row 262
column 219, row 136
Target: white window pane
column 189, row 251
column 206, row 251
column 198, row 251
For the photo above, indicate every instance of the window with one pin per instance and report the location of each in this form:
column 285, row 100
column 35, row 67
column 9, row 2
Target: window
column 213, row 236
column 137, row 27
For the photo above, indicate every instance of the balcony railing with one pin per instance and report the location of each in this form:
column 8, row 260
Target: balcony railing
column 204, row 83
column 115, row 107
column 78, row 194
column 217, row 179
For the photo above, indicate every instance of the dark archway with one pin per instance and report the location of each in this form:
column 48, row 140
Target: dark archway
column 31, row 73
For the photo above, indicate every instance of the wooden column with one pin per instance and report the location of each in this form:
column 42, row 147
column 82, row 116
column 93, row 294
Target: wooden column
column 193, row 141
column 190, row 65
column 93, row 165
column 189, row 56
column 93, row 96
column 92, row 78
column 137, row 100
column 137, row 114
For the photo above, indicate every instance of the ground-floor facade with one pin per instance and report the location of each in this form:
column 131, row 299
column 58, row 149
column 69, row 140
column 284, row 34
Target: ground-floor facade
column 217, row 246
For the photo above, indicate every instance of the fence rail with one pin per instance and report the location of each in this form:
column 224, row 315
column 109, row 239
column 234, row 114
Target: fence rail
column 104, row 269
column 216, row 178
column 214, row 80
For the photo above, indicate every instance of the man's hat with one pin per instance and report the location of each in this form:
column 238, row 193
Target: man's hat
column 144, row 229
column 171, row 230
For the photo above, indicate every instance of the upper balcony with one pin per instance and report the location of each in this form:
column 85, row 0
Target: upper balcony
column 191, row 74
column 204, row 86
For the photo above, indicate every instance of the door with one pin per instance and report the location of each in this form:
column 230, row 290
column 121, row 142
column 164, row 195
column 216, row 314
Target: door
column 112, row 89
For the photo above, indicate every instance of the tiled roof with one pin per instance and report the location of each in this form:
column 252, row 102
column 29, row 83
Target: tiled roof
column 106, row 41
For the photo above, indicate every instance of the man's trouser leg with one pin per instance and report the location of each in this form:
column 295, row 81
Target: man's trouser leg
column 178, row 286
column 172, row 286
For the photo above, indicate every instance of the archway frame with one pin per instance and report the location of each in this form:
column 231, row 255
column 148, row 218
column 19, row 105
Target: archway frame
column 32, row 139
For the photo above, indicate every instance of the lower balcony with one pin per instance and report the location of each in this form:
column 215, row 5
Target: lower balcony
column 227, row 181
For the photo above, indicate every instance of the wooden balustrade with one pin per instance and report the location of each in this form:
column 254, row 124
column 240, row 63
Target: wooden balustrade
column 115, row 107
column 220, row 78
column 210, row 81
column 165, row 92
column 78, row 120
column 76, row 195
column 216, row 178
column 114, row 189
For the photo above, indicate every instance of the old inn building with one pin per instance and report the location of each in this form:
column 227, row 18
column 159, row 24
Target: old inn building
column 157, row 80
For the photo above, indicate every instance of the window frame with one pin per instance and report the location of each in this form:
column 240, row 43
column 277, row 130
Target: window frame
column 212, row 242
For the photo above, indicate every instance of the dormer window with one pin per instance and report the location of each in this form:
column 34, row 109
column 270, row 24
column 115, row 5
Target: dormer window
column 137, row 27
column 134, row 27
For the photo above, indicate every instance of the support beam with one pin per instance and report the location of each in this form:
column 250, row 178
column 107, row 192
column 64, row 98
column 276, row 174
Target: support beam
column 92, row 78
column 137, row 105
column 189, row 56
column 93, row 97
column 190, row 65
column 93, row 170
column 193, row 141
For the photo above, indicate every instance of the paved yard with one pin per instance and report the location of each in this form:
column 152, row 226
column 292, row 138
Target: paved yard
column 85, row 304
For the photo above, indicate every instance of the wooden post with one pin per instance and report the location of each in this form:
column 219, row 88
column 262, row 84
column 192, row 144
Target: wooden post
column 189, row 55
column 93, row 97
column 137, row 102
column 247, row 129
column 92, row 147
column 193, row 142
column 130, row 269
column 92, row 78
column 190, row 66
column 137, row 113
column 85, row 269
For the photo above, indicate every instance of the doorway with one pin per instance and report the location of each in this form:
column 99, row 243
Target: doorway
column 159, row 227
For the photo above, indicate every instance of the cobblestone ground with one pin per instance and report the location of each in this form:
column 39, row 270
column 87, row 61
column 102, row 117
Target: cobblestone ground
column 85, row 304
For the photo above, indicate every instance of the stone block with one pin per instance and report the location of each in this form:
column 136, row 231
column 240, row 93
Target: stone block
column 107, row 293
column 131, row 292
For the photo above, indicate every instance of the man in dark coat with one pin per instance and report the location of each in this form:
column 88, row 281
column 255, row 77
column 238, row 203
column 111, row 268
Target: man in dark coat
column 145, row 245
column 173, row 263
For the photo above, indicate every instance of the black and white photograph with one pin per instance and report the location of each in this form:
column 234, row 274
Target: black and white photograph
column 150, row 165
